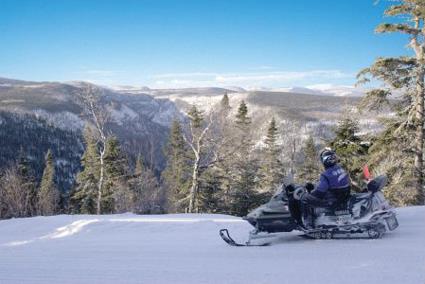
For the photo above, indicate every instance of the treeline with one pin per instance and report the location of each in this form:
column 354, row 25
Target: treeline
column 213, row 166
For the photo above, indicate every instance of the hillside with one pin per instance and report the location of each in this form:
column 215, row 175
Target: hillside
column 140, row 121
column 141, row 118
column 187, row 249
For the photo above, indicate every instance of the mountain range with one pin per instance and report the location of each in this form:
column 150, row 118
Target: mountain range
column 141, row 117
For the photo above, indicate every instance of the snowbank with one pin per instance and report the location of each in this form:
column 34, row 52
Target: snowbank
column 178, row 248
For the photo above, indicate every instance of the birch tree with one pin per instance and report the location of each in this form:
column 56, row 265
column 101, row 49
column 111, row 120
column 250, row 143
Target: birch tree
column 90, row 96
column 196, row 141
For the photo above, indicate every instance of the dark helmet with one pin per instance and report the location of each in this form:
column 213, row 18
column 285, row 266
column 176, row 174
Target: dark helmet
column 328, row 157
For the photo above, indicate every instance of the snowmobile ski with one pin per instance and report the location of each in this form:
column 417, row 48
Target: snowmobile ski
column 224, row 234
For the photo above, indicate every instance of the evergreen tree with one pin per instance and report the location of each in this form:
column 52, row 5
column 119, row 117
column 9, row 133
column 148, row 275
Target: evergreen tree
column 116, row 187
column 48, row 195
column 243, row 196
column 83, row 197
column 310, row 168
column 406, row 75
column 271, row 172
column 211, row 191
column 195, row 116
column 242, row 118
column 225, row 105
column 350, row 148
column 148, row 197
column 391, row 154
column 176, row 175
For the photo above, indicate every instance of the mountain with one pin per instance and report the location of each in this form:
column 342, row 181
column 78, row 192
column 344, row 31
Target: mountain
column 322, row 90
column 140, row 121
column 315, row 114
column 141, row 116
column 186, row 248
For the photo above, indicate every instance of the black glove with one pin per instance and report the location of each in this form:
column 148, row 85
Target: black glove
column 309, row 186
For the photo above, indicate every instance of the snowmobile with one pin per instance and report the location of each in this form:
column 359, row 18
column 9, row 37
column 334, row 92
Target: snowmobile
column 366, row 214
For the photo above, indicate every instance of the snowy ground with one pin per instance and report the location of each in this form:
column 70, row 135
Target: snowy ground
column 187, row 249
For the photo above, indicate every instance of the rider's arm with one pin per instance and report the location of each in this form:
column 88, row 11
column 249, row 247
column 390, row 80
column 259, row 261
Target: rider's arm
column 321, row 187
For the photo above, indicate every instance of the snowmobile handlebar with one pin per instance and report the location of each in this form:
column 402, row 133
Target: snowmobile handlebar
column 299, row 193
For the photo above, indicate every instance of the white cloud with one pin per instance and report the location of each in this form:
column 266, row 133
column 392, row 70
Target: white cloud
column 248, row 79
column 99, row 76
column 101, row 73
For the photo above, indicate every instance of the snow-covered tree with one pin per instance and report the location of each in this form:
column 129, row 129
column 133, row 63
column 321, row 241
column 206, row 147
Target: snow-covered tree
column 310, row 167
column 83, row 196
column 48, row 195
column 90, row 96
column 271, row 170
column 177, row 173
column 405, row 75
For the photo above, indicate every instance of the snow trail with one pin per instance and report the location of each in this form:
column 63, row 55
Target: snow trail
column 186, row 249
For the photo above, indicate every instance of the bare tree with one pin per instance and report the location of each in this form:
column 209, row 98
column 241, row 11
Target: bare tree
column 196, row 141
column 90, row 96
column 17, row 195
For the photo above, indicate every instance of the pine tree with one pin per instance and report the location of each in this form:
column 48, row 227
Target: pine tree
column 310, row 168
column 242, row 118
column 391, row 154
column 244, row 167
column 225, row 105
column 271, row 172
column 48, row 195
column 83, row 197
column 148, row 197
column 177, row 172
column 195, row 116
column 211, row 191
column 350, row 149
column 116, row 187
column 406, row 75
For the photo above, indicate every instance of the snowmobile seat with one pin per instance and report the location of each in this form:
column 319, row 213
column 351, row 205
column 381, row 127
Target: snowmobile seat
column 377, row 183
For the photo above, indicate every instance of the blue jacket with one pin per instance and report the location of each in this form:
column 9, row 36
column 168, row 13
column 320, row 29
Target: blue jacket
column 334, row 181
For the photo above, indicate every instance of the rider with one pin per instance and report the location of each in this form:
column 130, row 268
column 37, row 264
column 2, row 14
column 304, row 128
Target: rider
column 332, row 189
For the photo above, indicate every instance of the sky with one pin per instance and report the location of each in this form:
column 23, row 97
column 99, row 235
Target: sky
column 193, row 43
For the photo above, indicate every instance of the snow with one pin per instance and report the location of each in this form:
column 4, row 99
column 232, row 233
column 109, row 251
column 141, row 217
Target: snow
column 320, row 90
column 122, row 114
column 186, row 248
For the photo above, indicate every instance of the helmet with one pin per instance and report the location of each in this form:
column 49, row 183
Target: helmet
column 328, row 157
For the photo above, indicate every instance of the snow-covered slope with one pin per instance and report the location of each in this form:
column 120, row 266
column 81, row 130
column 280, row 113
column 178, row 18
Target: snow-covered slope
column 187, row 249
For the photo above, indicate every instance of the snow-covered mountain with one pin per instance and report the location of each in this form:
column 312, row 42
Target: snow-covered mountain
column 141, row 116
column 323, row 90
column 187, row 249
column 140, row 121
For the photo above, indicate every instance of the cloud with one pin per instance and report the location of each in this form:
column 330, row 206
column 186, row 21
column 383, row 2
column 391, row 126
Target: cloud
column 102, row 73
column 249, row 79
column 99, row 76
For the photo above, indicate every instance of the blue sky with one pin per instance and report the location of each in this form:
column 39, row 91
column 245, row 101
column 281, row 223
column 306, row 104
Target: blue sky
column 181, row 43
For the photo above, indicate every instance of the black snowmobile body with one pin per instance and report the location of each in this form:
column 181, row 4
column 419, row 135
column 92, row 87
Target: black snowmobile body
column 363, row 214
